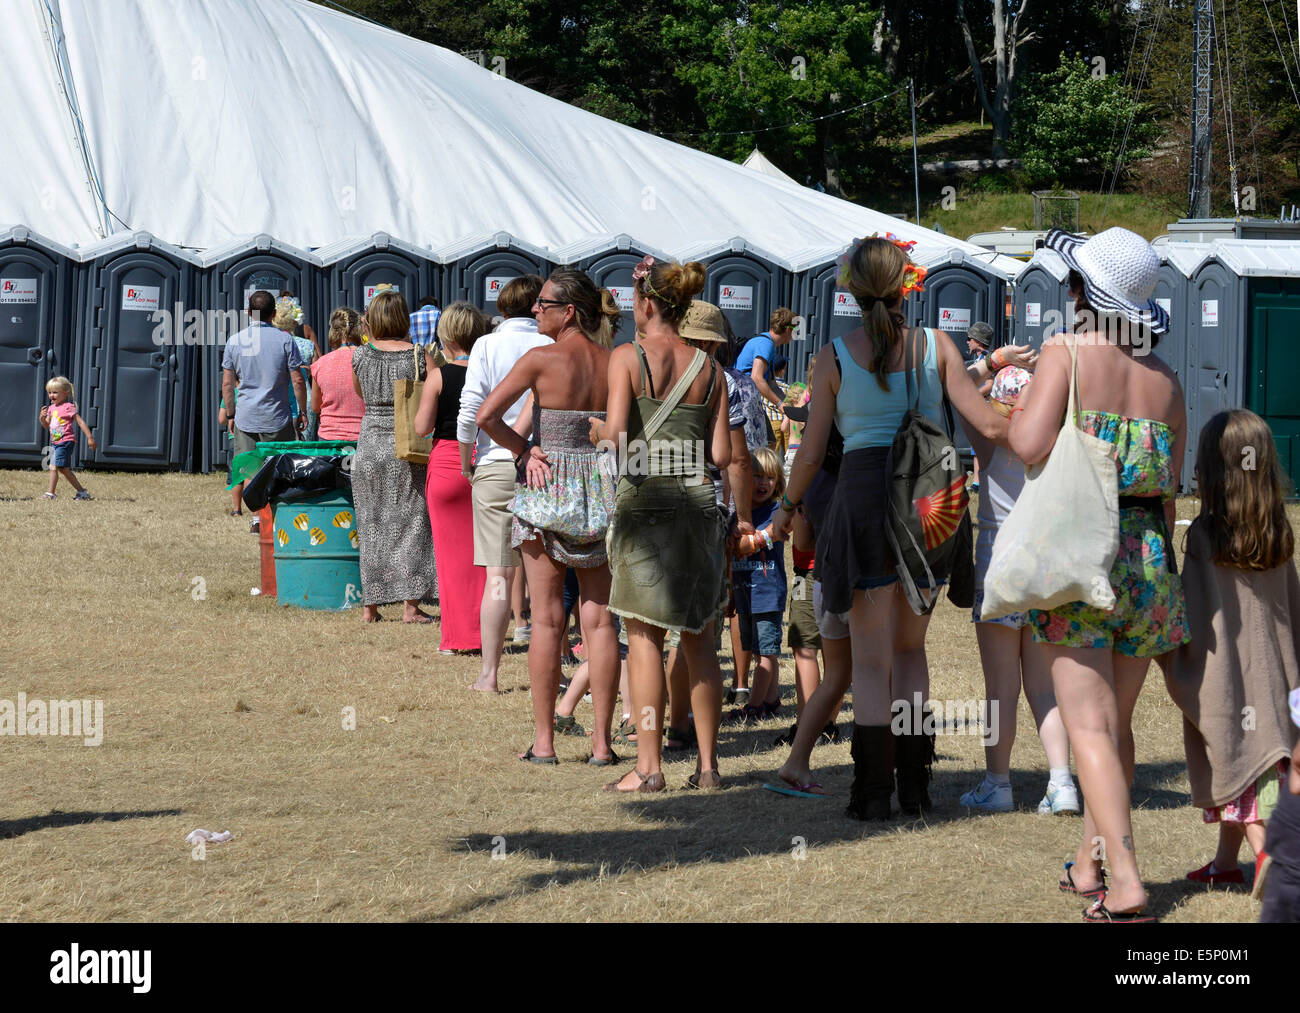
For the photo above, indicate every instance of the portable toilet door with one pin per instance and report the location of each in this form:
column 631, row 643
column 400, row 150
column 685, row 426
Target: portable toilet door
column 1041, row 300
column 613, row 270
column 828, row 313
column 232, row 273
column 1216, row 328
column 138, row 377
column 356, row 269
column 747, row 289
column 37, row 291
column 957, row 294
column 478, row 269
column 1273, row 388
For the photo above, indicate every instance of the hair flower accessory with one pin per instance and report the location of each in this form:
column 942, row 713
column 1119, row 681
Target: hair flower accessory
column 642, row 269
column 913, row 275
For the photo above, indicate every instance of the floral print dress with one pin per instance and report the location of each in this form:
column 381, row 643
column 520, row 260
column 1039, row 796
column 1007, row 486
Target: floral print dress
column 1150, row 614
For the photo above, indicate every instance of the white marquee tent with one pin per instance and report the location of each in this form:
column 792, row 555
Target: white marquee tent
column 203, row 120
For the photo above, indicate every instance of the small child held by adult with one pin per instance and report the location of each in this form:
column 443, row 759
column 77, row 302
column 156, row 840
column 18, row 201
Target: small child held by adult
column 759, row 588
column 1232, row 681
column 59, row 417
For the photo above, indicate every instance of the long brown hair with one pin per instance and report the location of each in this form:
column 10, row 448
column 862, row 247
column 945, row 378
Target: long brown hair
column 876, row 272
column 1242, row 492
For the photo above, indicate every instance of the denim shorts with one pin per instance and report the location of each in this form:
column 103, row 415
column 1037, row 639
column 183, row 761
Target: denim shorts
column 61, row 456
column 1014, row 621
column 762, row 629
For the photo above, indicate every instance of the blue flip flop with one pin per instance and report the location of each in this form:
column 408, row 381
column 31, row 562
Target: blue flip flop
column 800, row 792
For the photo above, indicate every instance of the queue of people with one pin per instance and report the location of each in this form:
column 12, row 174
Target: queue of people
column 650, row 479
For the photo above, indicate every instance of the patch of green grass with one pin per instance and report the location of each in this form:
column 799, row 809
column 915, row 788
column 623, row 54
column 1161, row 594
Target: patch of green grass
column 981, row 211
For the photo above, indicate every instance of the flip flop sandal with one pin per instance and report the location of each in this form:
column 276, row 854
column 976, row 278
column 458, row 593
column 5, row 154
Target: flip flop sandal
column 625, row 735
column 612, row 760
column 798, row 791
column 648, row 783
column 704, row 780
column 544, row 761
column 1100, row 913
column 1067, row 884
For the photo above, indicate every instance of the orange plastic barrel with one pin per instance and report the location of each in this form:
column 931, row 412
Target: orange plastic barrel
column 266, row 542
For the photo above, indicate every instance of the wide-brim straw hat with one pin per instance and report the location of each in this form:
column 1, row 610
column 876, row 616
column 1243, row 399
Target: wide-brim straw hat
column 1119, row 270
column 703, row 322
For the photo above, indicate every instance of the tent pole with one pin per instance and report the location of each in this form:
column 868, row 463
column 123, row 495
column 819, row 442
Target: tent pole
column 916, row 173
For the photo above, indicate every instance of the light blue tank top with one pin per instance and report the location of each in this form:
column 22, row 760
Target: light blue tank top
column 869, row 416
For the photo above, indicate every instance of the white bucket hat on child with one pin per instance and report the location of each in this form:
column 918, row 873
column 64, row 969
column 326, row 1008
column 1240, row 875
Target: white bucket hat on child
column 1119, row 270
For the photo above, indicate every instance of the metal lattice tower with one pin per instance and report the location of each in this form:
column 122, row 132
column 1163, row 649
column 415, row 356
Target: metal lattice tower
column 1202, row 110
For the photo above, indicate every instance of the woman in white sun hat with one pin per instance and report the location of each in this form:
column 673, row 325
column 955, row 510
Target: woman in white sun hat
column 1100, row 659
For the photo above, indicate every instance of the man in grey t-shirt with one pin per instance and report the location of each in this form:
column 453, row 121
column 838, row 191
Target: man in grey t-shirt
column 262, row 361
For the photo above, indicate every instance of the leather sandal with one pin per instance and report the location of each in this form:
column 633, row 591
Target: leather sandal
column 647, row 783
column 704, row 780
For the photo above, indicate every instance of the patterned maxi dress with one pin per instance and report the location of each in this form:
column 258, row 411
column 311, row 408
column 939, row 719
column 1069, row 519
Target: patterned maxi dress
column 392, row 518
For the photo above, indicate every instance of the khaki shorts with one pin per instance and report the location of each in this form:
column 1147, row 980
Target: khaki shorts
column 493, row 487
column 245, row 442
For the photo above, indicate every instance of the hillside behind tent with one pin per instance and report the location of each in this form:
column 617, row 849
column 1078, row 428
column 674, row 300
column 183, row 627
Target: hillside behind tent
column 202, row 122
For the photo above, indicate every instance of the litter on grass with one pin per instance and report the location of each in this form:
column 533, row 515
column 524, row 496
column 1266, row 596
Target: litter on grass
column 207, row 835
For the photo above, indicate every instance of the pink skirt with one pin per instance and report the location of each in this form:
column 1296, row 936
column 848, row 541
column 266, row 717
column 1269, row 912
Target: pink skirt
column 460, row 582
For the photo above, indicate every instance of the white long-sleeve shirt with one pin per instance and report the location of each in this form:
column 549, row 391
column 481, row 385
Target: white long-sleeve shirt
column 491, row 358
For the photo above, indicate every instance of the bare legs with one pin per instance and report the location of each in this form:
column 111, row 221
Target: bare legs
column 645, row 677
column 1007, row 656
column 1097, row 691
column 601, row 648
column 494, row 616
column 68, row 475
column 820, row 708
column 546, row 579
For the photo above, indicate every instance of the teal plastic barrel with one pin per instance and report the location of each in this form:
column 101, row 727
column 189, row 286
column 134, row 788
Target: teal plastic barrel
column 317, row 565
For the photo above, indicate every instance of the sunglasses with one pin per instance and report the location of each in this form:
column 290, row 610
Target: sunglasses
column 543, row 303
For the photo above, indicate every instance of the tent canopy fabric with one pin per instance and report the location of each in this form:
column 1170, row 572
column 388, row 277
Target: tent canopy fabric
column 759, row 162
column 203, row 122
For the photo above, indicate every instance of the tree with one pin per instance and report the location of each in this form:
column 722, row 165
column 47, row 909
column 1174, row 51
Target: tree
column 783, row 75
column 1006, row 39
column 1073, row 120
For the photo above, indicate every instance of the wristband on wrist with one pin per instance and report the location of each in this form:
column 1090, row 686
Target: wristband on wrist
column 786, row 505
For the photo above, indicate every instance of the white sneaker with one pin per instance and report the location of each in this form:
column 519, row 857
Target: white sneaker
column 989, row 798
column 1060, row 800
column 523, row 634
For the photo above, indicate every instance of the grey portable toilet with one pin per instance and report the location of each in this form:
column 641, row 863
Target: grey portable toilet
column 38, row 280
column 231, row 273
column 478, row 268
column 747, row 284
column 609, row 264
column 137, row 378
column 1041, row 303
column 355, row 268
column 960, row 290
column 827, row 312
column 1178, row 262
column 1215, row 320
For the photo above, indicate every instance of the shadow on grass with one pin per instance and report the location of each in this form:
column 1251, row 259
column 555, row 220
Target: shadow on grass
column 56, row 819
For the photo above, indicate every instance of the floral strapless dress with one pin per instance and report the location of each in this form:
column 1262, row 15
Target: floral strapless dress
column 1150, row 613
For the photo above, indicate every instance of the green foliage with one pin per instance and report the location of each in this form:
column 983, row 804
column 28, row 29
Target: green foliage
column 765, row 65
column 1070, row 121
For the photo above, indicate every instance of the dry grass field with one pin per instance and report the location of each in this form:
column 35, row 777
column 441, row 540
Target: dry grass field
column 225, row 713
